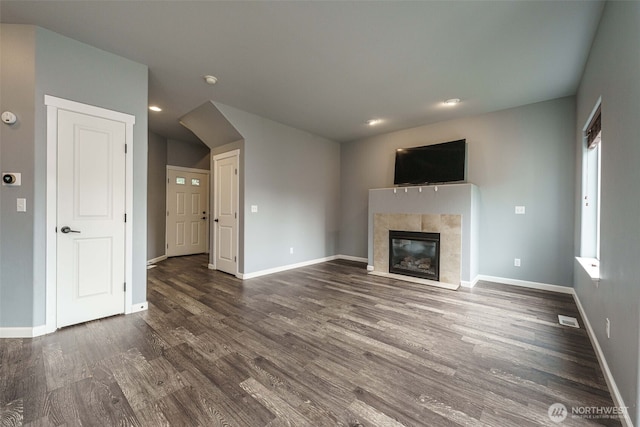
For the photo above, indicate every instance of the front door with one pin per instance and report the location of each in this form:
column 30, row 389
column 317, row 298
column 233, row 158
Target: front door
column 187, row 212
column 90, row 218
column 225, row 167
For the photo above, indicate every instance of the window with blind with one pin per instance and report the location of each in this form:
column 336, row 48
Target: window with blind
column 591, row 177
column 594, row 130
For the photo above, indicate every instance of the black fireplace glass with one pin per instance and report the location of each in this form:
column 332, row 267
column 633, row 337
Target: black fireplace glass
column 416, row 254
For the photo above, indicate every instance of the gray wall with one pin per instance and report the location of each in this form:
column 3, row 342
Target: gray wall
column 612, row 72
column 17, row 85
column 156, row 196
column 188, row 154
column 72, row 70
column 294, row 179
column 520, row 156
column 210, row 125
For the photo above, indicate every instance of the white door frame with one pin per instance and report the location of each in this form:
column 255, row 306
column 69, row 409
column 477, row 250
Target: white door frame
column 54, row 104
column 166, row 204
column 213, row 208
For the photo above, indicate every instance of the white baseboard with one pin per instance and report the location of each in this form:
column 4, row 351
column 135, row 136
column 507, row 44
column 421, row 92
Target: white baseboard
column 36, row 331
column 526, row 284
column 611, row 383
column 157, row 259
column 141, row 306
column 23, row 332
column 470, row 284
column 352, row 258
column 245, row 276
column 608, row 376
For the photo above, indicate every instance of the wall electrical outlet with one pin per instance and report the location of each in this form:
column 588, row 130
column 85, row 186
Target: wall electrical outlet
column 516, row 262
column 608, row 328
column 519, row 210
column 291, row 250
column 254, row 208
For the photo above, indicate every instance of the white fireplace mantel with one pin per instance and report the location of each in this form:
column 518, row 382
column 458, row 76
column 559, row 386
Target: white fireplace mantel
column 449, row 199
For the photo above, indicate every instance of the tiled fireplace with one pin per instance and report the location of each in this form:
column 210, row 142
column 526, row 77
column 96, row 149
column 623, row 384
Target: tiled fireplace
column 451, row 211
column 448, row 227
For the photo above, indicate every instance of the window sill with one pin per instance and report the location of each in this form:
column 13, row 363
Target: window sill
column 591, row 266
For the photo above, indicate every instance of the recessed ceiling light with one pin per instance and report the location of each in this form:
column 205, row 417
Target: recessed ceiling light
column 452, row 101
column 211, row 80
column 373, row 122
column 155, row 108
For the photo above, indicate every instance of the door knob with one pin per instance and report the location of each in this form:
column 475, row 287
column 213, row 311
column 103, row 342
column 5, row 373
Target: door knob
column 66, row 230
column 204, row 217
column 215, row 220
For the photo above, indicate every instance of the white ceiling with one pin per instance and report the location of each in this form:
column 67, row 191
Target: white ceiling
column 327, row 67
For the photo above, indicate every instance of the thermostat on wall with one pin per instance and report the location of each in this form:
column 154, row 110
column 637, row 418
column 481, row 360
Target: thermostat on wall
column 12, row 179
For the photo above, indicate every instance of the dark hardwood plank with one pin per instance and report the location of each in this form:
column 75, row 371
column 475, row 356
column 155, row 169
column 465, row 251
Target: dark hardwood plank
column 324, row 345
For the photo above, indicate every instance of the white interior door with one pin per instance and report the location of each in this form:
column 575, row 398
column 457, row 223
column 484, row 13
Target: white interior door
column 187, row 212
column 225, row 167
column 90, row 218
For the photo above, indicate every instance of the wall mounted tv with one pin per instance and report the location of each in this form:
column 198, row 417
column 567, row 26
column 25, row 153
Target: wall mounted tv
column 432, row 164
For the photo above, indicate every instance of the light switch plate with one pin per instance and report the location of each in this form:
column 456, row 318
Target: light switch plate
column 519, row 210
column 254, row 208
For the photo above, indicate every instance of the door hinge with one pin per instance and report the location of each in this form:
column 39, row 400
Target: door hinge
column 167, row 246
column 236, row 171
column 125, row 286
column 125, row 148
column 167, row 213
column 125, row 217
column 236, row 215
column 235, row 259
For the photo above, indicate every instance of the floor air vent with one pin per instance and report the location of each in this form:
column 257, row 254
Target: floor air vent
column 568, row 321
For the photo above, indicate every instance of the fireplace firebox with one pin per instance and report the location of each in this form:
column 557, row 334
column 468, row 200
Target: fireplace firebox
column 414, row 253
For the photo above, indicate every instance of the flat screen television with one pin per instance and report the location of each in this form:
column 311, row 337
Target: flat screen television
column 431, row 164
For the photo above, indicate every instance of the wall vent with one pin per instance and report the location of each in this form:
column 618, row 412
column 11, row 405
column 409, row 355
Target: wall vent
column 568, row 321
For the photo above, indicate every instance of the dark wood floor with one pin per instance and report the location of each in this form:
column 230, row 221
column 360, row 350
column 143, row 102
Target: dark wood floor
column 325, row 345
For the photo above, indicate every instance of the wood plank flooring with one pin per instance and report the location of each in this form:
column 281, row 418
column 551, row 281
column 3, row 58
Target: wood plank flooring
column 325, row 345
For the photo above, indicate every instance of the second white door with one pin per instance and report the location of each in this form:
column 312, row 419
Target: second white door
column 187, row 212
column 225, row 169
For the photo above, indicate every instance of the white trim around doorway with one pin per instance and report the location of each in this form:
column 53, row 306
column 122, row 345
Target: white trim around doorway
column 54, row 104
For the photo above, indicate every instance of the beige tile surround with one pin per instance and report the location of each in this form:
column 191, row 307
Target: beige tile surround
column 449, row 227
